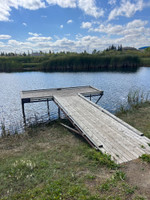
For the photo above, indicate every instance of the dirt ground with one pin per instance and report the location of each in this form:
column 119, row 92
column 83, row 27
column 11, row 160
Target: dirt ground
column 138, row 173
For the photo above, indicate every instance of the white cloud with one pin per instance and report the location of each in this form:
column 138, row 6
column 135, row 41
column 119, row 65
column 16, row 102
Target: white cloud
column 134, row 33
column 5, row 37
column 24, row 24
column 126, row 9
column 2, row 44
column 79, row 44
column 5, row 6
column 4, row 11
column 63, row 43
column 69, row 21
column 63, row 3
column 31, row 4
column 38, row 39
column 90, row 8
column 34, row 34
column 136, row 23
column 87, row 6
column 108, row 29
column 112, row 2
column 15, row 43
column 86, row 25
column 61, row 26
column 136, row 26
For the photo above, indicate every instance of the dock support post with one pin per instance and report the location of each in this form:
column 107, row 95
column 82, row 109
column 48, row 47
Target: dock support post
column 23, row 112
column 99, row 98
column 58, row 113
column 48, row 108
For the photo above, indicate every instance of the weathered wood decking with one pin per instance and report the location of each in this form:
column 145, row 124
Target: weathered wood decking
column 100, row 128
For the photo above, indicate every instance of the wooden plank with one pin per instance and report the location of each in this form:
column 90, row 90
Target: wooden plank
column 137, row 136
column 78, row 117
column 108, row 136
column 114, row 117
column 74, row 122
column 133, row 147
column 58, row 91
column 71, row 129
column 137, row 140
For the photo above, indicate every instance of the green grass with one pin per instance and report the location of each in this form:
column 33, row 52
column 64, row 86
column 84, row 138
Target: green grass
column 48, row 162
column 146, row 158
column 118, row 181
column 146, row 61
column 138, row 116
column 140, row 198
column 113, row 181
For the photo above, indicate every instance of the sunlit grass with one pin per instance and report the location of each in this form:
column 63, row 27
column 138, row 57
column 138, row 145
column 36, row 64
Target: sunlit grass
column 48, row 162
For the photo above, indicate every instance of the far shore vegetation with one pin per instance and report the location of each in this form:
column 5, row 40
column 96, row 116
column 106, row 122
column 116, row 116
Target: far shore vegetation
column 49, row 162
column 109, row 59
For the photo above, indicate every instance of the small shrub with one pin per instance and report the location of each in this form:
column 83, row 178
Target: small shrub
column 122, row 109
column 128, row 189
column 106, row 186
column 136, row 97
column 121, row 176
column 3, row 130
column 101, row 159
column 90, row 177
column 112, row 182
column 145, row 157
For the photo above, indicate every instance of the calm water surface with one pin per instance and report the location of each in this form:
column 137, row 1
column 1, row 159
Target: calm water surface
column 115, row 85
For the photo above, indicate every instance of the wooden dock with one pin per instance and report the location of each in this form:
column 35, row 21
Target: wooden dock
column 100, row 128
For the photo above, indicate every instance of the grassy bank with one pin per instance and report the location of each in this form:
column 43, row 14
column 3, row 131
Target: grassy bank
column 69, row 62
column 49, row 162
column 145, row 61
column 138, row 116
column 89, row 63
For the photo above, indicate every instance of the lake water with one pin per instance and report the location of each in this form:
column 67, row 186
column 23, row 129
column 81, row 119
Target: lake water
column 116, row 86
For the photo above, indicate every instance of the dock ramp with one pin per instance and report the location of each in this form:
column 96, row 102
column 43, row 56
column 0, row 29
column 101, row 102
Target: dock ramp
column 99, row 127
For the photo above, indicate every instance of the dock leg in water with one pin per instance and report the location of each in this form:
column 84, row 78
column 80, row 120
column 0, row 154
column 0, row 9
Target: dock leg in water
column 23, row 112
column 58, row 113
column 48, row 109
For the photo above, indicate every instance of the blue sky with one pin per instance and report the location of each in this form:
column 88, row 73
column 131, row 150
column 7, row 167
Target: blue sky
column 73, row 25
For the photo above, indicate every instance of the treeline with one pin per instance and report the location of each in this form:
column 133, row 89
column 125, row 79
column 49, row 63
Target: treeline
column 89, row 63
column 69, row 62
